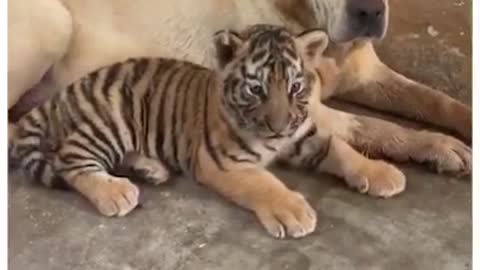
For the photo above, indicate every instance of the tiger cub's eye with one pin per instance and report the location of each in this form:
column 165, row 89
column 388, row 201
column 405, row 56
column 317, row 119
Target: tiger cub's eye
column 256, row 89
column 295, row 88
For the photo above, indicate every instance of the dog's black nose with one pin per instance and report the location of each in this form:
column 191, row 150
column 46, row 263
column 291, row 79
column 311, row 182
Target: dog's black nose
column 367, row 12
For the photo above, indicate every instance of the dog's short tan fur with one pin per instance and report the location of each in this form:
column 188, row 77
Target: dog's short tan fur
column 86, row 34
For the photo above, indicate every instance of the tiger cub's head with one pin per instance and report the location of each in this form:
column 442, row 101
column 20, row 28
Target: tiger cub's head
column 268, row 76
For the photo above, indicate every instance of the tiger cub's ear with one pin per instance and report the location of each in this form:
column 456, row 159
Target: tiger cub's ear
column 227, row 43
column 312, row 44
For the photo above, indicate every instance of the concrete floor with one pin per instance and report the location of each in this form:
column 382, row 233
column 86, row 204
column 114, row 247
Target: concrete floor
column 184, row 226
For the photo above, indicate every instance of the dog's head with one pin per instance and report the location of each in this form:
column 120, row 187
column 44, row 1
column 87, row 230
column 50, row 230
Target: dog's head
column 343, row 20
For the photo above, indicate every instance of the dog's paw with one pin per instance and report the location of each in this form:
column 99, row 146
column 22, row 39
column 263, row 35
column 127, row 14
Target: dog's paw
column 378, row 178
column 289, row 214
column 446, row 154
column 116, row 197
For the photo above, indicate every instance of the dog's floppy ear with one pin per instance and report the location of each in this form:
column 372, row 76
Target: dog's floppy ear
column 227, row 43
column 312, row 44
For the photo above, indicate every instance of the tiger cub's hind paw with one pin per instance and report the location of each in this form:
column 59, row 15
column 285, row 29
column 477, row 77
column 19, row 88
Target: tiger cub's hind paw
column 147, row 169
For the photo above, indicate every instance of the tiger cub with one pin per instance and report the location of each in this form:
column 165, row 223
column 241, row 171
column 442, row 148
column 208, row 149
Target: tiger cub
column 152, row 117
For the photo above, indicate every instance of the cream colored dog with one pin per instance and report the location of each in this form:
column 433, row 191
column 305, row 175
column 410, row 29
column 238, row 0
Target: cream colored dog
column 54, row 42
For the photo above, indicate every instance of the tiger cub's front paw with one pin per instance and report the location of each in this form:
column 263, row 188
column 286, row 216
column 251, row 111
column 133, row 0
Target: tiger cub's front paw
column 288, row 213
column 378, row 178
column 116, row 197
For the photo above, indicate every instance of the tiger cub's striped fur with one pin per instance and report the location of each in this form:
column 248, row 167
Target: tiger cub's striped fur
column 152, row 117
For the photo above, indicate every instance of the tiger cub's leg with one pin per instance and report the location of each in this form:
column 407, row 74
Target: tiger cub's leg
column 86, row 168
column 280, row 210
column 150, row 170
column 325, row 153
column 112, row 196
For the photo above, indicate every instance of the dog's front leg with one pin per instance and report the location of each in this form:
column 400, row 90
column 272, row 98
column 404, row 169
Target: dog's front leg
column 365, row 80
column 378, row 138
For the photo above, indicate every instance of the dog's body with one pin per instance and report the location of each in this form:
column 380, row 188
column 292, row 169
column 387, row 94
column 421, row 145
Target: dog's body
column 54, row 42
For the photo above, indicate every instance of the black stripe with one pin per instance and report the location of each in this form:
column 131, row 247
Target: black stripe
column 103, row 154
column 97, row 132
column 21, row 147
column 30, row 133
column 176, row 117
column 161, row 117
column 183, row 121
column 69, row 123
column 56, row 119
column 291, row 53
column 95, row 155
column 145, row 110
column 249, row 76
column 32, row 162
column 139, row 69
column 206, row 131
column 238, row 140
column 269, row 147
column 234, row 157
column 38, row 173
column 230, row 84
column 54, row 182
column 32, row 121
column 243, row 70
column 259, row 55
column 68, row 110
column 73, row 157
column 313, row 161
column 192, row 155
column 106, row 159
column 73, row 102
column 103, row 113
column 127, row 112
column 157, row 78
column 110, row 78
column 22, row 151
column 94, row 168
column 298, row 144
column 43, row 113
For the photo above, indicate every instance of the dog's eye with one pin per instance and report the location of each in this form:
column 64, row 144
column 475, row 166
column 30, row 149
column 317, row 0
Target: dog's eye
column 296, row 88
column 255, row 89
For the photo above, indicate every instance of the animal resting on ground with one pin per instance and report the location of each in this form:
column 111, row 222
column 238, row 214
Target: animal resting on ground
column 149, row 117
column 350, row 69
column 86, row 35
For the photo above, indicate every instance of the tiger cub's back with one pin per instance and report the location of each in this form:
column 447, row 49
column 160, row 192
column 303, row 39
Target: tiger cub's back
column 141, row 105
